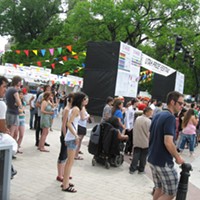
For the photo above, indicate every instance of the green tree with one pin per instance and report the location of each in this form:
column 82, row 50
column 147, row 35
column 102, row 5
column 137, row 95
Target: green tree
column 25, row 20
column 149, row 25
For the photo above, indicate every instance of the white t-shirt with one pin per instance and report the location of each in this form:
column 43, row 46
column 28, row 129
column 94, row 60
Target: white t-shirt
column 39, row 100
column 83, row 122
column 129, row 117
column 3, row 109
column 33, row 101
column 70, row 136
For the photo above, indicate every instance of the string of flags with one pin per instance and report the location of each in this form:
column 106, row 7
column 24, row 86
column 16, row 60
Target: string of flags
column 146, row 76
column 50, row 50
column 60, row 60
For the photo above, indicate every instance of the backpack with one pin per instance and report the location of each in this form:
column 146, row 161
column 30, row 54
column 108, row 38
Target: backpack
column 95, row 134
column 93, row 147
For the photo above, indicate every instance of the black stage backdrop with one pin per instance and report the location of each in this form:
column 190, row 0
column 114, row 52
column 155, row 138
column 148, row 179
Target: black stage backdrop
column 100, row 74
column 162, row 86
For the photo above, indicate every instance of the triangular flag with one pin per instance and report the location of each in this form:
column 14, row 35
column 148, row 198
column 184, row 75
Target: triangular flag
column 84, row 53
column 51, row 51
column 15, row 65
column 18, row 51
column 26, row 52
column 46, row 60
column 43, row 51
column 59, row 50
column 64, row 58
column 73, row 53
column 61, row 62
column 53, row 65
column 69, row 47
column 76, row 57
column 35, row 52
column 21, row 64
column 83, row 65
column 67, row 73
column 39, row 63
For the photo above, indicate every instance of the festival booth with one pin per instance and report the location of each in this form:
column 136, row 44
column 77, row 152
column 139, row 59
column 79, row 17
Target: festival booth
column 67, row 83
column 113, row 69
column 35, row 76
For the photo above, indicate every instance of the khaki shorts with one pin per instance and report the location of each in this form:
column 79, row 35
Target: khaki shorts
column 12, row 120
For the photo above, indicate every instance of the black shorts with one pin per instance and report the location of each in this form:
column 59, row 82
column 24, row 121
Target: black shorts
column 82, row 130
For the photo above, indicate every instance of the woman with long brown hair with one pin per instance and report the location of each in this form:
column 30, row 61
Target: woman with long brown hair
column 46, row 117
column 117, row 112
column 189, row 131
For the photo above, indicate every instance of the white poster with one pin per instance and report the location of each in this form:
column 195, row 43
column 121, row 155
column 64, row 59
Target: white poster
column 179, row 84
column 156, row 66
column 127, row 83
column 128, row 71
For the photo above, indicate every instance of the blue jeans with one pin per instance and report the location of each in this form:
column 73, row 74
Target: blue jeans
column 187, row 138
column 32, row 113
column 61, row 105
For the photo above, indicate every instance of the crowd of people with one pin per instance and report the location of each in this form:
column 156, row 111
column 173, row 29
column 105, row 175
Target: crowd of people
column 157, row 132
column 152, row 131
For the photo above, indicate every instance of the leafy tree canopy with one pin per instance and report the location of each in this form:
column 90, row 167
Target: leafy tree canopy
column 149, row 25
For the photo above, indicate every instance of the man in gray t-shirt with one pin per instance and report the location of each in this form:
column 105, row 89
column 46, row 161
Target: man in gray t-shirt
column 107, row 111
column 13, row 104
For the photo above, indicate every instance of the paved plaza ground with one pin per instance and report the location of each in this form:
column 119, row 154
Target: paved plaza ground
column 36, row 178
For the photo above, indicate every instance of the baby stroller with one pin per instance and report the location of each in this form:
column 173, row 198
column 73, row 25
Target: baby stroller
column 105, row 145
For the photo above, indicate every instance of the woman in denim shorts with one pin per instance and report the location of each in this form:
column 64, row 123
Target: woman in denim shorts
column 72, row 139
column 63, row 148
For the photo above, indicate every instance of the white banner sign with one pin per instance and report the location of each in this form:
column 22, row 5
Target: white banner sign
column 179, row 84
column 156, row 66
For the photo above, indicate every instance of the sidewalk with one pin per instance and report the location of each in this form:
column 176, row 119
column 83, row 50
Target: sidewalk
column 37, row 173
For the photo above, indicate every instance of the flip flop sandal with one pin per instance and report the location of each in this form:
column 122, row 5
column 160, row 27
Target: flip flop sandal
column 69, row 189
column 44, row 150
column 70, row 185
column 78, row 158
column 80, row 152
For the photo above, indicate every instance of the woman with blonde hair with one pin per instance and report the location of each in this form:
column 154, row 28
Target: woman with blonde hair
column 189, row 131
column 46, row 118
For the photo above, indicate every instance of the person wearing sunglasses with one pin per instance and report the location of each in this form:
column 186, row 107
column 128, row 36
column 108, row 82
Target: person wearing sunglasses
column 162, row 148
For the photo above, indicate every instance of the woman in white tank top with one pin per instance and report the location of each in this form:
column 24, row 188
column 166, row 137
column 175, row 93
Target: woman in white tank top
column 82, row 128
column 72, row 139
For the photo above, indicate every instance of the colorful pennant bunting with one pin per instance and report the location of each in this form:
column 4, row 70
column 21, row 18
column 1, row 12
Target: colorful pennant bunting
column 43, row 51
column 26, row 52
column 51, row 51
column 35, row 52
column 59, row 50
